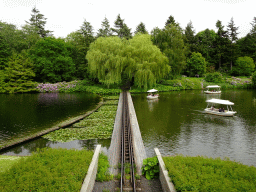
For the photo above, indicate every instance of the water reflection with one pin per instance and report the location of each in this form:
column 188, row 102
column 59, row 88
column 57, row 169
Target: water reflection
column 151, row 103
column 32, row 146
column 176, row 125
column 23, row 114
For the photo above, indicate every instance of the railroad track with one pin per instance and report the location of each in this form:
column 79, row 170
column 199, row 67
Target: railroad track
column 128, row 182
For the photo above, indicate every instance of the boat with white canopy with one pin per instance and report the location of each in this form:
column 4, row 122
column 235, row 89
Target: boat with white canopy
column 152, row 94
column 211, row 103
column 213, row 89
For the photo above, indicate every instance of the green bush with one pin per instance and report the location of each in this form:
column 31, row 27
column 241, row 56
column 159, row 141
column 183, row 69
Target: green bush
column 103, row 165
column 48, row 170
column 150, row 168
column 196, row 65
column 207, row 174
column 215, row 77
column 244, row 66
column 254, row 79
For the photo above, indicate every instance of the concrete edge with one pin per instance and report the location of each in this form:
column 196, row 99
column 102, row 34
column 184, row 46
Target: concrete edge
column 115, row 145
column 139, row 150
column 164, row 178
column 64, row 124
column 89, row 180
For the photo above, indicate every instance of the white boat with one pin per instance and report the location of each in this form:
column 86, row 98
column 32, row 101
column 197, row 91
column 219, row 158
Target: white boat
column 228, row 112
column 152, row 94
column 213, row 89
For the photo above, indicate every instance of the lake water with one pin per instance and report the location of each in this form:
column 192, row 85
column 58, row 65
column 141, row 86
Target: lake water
column 23, row 114
column 176, row 124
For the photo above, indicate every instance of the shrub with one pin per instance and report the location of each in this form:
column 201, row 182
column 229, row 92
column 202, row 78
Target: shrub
column 196, row 65
column 207, row 174
column 214, row 77
column 48, row 170
column 244, row 66
column 103, row 165
column 150, row 168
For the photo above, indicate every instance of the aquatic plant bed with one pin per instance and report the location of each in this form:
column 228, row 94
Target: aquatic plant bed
column 6, row 162
column 98, row 125
column 207, row 174
column 111, row 102
column 48, row 170
column 111, row 97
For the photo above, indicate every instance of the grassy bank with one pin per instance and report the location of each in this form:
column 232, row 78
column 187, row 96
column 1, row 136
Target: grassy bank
column 207, row 174
column 48, row 170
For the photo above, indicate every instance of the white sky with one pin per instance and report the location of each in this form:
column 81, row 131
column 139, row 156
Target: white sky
column 64, row 17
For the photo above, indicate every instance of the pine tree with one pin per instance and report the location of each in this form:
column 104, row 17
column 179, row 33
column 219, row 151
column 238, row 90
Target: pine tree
column 121, row 28
column 253, row 30
column 170, row 20
column 141, row 28
column 221, row 41
column 232, row 32
column 189, row 39
column 38, row 20
column 105, row 30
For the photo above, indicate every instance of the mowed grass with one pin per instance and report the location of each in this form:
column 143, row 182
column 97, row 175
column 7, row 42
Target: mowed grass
column 47, row 170
column 208, row 174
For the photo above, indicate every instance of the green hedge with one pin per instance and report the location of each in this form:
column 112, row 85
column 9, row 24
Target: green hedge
column 207, row 174
column 48, row 170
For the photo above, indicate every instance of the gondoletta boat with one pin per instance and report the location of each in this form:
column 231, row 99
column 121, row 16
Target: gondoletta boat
column 213, row 89
column 211, row 107
column 152, row 94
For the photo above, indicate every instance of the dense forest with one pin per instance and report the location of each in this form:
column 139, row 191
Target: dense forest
column 32, row 54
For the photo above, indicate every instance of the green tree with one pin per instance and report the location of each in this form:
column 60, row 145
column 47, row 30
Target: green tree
column 196, row 65
column 247, row 44
column 189, row 38
column 141, row 28
column 105, row 29
column 170, row 41
column 121, row 29
column 221, row 43
column 52, row 60
column 205, row 44
column 232, row 32
column 38, row 20
column 112, row 59
column 30, row 35
column 18, row 74
column 244, row 66
column 4, row 53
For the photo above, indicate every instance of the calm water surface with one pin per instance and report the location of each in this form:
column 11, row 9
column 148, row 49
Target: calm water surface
column 176, row 124
column 22, row 114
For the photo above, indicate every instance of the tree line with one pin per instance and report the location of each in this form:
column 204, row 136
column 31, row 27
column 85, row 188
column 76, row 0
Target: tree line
column 114, row 55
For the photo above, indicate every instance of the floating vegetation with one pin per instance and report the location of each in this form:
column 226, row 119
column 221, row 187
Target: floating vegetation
column 98, row 125
column 93, row 122
column 102, row 115
column 115, row 97
column 108, row 108
column 111, row 102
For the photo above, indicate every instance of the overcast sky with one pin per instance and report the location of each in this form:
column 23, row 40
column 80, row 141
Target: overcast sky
column 64, row 17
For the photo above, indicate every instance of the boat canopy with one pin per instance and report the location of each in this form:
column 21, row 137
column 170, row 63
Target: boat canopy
column 220, row 101
column 152, row 90
column 213, row 86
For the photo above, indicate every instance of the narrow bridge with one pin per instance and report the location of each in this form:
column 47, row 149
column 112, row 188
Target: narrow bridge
column 126, row 147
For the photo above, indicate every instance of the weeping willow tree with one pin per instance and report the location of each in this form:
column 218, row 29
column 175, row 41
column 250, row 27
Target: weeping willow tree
column 111, row 59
